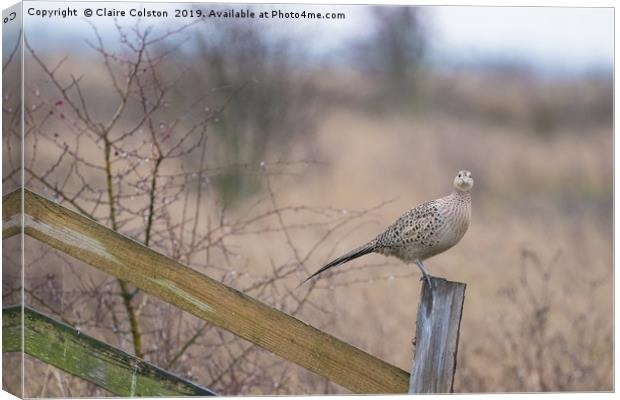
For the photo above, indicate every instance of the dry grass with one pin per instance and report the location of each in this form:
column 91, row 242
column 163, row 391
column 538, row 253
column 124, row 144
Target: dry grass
column 542, row 196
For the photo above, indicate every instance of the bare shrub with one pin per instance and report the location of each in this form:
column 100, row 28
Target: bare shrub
column 530, row 350
column 119, row 151
column 277, row 105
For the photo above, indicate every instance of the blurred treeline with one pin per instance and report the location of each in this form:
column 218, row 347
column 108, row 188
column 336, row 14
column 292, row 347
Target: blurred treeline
column 279, row 93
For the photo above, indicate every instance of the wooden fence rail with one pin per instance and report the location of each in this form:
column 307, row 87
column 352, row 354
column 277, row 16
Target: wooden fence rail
column 62, row 346
column 200, row 295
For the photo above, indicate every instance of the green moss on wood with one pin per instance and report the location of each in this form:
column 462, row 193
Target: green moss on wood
column 62, row 346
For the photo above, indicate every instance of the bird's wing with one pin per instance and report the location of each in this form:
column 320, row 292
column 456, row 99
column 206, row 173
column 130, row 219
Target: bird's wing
column 420, row 231
column 419, row 225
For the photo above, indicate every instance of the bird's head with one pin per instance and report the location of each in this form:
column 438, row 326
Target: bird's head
column 463, row 181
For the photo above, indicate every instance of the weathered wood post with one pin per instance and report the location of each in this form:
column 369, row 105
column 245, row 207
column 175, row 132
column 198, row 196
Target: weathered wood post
column 437, row 337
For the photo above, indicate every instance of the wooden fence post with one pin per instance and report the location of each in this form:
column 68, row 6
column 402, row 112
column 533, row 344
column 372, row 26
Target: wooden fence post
column 437, row 337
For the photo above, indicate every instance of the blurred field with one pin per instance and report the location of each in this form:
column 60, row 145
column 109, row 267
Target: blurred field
column 545, row 195
column 306, row 163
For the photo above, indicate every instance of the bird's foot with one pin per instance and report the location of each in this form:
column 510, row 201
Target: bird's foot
column 427, row 277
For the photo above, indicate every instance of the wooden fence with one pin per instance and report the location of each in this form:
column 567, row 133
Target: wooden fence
column 238, row 313
column 66, row 348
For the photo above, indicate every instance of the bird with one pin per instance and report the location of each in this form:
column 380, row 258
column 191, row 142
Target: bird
column 422, row 232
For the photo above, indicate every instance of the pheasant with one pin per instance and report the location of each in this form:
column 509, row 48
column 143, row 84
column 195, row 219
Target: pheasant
column 422, row 232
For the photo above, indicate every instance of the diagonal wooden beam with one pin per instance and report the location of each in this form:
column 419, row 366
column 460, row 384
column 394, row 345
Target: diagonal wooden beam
column 62, row 346
column 202, row 296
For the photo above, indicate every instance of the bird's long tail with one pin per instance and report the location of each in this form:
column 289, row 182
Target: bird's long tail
column 353, row 254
